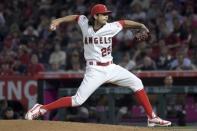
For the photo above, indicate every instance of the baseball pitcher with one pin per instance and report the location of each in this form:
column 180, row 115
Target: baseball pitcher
column 97, row 38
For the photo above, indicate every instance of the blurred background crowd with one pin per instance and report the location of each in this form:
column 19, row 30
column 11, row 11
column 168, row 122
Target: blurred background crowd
column 28, row 47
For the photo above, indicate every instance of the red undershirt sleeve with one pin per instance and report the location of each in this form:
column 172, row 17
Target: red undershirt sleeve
column 77, row 18
column 122, row 22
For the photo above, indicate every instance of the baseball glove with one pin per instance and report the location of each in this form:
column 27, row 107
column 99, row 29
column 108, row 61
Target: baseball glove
column 142, row 36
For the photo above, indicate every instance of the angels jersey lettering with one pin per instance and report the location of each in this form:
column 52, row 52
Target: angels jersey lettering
column 97, row 40
column 98, row 44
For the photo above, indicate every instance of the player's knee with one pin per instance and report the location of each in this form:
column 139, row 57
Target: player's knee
column 138, row 85
column 77, row 100
column 139, row 82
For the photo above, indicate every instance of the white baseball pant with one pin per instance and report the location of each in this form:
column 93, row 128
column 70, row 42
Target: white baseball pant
column 95, row 76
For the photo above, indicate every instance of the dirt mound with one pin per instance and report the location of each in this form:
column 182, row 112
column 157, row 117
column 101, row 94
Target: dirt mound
column 23, row 125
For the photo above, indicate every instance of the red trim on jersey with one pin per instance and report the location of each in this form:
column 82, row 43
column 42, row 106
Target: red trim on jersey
column 122, row 22
column 77, row 18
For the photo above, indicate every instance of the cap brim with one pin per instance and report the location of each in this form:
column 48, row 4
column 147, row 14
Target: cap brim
column 107, row 12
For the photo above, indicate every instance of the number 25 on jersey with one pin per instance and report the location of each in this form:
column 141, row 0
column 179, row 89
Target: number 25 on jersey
column 106, row 51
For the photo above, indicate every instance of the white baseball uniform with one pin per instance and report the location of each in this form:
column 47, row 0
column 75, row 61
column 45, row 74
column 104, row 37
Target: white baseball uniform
column 99, row 66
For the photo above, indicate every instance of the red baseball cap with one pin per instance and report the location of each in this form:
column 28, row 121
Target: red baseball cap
column 99, row 9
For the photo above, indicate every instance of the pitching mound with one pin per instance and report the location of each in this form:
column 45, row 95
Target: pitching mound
column 23, row 125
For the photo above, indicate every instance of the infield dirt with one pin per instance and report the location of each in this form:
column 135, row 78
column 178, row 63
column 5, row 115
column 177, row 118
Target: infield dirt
column 38, row 125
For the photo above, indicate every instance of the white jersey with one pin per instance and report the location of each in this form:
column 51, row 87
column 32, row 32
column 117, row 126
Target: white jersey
column 98, row 44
